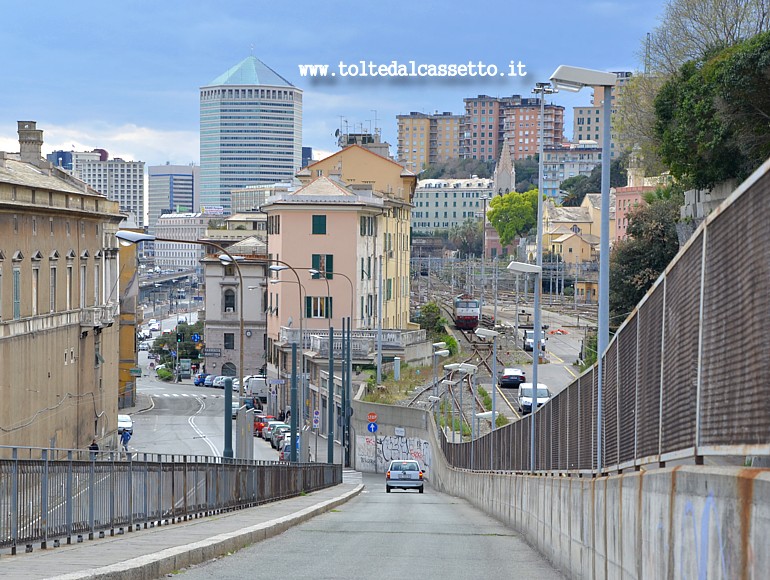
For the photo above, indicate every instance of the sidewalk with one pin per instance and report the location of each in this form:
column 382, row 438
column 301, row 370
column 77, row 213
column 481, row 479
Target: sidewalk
column 155, row 552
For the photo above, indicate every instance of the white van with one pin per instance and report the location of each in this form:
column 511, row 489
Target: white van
column 256, row 386
column 526, row 395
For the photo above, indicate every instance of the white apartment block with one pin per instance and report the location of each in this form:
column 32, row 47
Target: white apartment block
column 560, row 163
column 588, row 121
column 440, row 204
column 119, row 180
column 180, row 226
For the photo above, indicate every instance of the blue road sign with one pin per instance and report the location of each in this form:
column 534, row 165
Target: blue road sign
column 196, row 337
column 372, row 427
column 173, row 353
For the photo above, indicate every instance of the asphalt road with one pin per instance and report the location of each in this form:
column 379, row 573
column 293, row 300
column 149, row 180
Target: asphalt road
column 402, row 535
column 184, row 419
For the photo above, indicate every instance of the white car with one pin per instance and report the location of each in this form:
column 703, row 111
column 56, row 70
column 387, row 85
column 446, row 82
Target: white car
column 125, row 423
column 525, row 396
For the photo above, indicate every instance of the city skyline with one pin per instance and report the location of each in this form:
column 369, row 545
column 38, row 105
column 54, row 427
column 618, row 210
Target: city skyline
column 129, row 81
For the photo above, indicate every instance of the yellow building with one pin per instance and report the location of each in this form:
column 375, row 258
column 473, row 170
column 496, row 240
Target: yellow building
column 59, row 320
column 425, row 140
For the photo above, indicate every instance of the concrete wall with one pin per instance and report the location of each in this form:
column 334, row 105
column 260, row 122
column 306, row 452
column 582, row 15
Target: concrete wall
column 681, row 522
column 402, row 433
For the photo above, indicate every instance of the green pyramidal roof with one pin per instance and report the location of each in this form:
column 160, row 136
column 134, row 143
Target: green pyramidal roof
column 251, row 71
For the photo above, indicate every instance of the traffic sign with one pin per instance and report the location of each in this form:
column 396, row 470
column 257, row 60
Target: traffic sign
column 372, row 427
column 277, row 381
column 196, row 337
column 136, row 372
column 316, row 413
column 372, row 417
column 316, row 422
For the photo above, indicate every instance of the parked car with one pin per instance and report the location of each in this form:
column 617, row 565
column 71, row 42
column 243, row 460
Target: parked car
column 199, row 379
column 144, row 346
column 284, row 450
column 154, row 325
column 404, row 474
column 219, row 382
column 267, row 432
column 259, row 423
column 209, row 381
column 277, row 434
column 125, row 423
column 512, row 378
column 526, row 396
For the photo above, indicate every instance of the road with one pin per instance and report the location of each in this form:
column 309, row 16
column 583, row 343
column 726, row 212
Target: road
column 376, row 535
column 183, row 419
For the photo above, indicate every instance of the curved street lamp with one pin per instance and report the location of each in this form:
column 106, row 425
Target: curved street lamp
column 573, row 78
column 127, row 237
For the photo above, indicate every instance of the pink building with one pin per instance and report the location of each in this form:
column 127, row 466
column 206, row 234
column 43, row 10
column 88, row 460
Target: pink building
column 626, row 199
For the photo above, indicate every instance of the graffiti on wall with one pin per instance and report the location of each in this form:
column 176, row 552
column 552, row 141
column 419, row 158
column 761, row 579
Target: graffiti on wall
column 373, row 453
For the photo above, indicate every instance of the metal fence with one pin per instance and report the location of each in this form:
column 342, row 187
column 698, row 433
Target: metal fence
column 686, row 375
column 71, row 494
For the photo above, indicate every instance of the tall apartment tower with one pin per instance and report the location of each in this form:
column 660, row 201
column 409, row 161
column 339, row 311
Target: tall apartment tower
column 251, row 131
column 171, row 189
column 587, row 121
column 490, row 120
column 118, row 180
column 427, row 139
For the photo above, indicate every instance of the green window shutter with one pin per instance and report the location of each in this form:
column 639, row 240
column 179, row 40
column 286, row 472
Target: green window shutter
column 329, row 266
column 319, row 224
column 308, row 307
column 316, row 264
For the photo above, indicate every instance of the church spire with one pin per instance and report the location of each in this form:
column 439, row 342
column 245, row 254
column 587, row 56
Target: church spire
column 505, row 173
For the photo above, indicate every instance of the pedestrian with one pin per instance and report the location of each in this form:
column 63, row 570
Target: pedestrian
column 125, row 437
column 281, row 416
column 94, row 448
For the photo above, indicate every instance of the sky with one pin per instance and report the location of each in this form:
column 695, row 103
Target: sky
column 125, row 76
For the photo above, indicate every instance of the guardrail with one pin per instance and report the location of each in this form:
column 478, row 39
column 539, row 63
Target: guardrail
column 686, row 375
column 66, row 495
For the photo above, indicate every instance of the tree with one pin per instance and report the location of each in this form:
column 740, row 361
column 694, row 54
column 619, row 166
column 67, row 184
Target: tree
column 578, row 186
column 468, row 237
column 457, row 168
column 527, row 171
column 513, row 214
column 635, row 263
column 430, row 318
column 691, row 29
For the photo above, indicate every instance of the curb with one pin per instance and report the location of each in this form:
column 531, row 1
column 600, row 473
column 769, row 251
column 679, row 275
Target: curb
column 174, row 559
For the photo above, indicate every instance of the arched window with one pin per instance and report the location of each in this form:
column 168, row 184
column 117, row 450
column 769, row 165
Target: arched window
column 229, row 300
column 228, row 369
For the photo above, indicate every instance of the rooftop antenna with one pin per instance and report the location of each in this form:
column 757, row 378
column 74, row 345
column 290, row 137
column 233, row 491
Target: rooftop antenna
column 647, row 55
column 376, row 129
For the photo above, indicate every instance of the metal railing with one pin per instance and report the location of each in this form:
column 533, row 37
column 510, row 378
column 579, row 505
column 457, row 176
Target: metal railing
column 71, row 494
column 686, row 375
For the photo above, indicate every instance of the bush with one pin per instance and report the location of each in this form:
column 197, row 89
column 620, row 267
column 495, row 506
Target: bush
column 165, row 375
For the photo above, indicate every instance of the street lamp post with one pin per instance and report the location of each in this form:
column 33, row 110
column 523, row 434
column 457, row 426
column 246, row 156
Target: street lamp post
column 573, row 79
column 439, row 350
column 536, row 340
column 128, row 237
column 484, row 198
column 279, row 267
column 486, row 333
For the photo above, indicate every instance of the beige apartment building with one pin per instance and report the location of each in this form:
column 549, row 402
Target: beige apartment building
column 59, row 314
column 588, row 121
column 427, row 139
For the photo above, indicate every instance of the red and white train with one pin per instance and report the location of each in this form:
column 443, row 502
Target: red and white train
column 467, row 311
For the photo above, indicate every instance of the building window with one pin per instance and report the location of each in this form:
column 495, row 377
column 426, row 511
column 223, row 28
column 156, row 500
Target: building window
column 324, row 263
column 229, row 340
column 318, row 307
column 16, row 293
column 229, row 300
column 52, row 291
column 35, row 290
column 319, row 224
column 69, row 288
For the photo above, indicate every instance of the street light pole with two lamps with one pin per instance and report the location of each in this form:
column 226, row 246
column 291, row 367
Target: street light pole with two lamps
column 572, row 78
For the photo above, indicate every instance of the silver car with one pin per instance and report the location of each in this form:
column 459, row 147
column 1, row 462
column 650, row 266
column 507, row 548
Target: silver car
column 404, row 474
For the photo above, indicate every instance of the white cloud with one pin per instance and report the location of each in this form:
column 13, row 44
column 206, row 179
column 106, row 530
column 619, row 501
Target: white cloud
column 128, row 141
